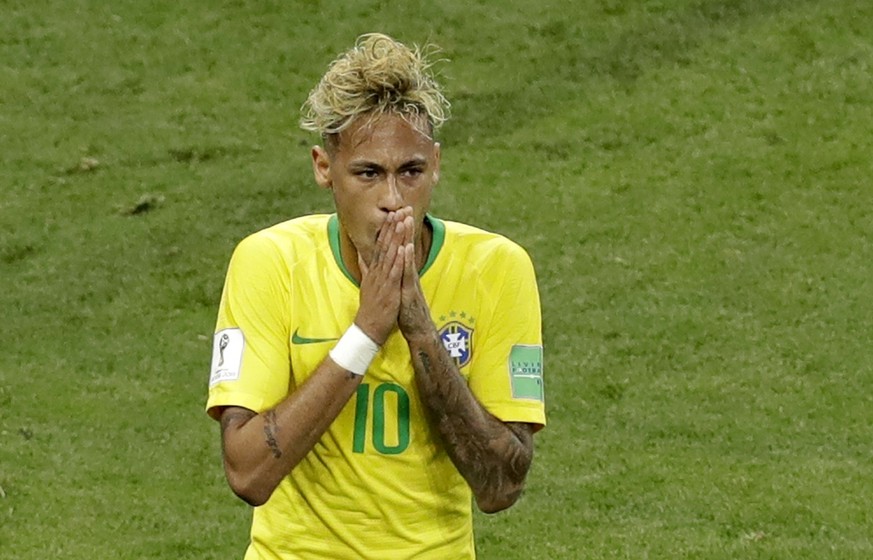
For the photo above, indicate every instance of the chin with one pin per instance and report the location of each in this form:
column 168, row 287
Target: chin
column 365, row 251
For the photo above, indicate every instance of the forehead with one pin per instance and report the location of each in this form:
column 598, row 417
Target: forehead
column 389, row 136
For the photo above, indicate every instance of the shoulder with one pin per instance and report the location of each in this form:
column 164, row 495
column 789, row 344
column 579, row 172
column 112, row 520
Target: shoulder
column 286, row 241
column 483, row 248
column 302, row 230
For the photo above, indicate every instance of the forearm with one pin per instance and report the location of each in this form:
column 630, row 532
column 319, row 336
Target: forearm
column 262, row 449
column 492, row 456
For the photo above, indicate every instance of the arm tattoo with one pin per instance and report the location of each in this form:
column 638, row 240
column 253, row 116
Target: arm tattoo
column 270, row 428
column 491, row 455
column 235, row 417
column 425, row 362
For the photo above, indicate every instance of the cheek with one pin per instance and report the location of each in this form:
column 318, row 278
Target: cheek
column 420, row 201
column 358, row 225
column 347, row 203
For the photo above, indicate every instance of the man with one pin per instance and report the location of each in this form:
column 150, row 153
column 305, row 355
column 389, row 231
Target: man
column 374, row 368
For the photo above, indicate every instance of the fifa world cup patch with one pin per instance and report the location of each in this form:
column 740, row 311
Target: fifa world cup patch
column 227, row 351
column 458, row 341
column 526, row 372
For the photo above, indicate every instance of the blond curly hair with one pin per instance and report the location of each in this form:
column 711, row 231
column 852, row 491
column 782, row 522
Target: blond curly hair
column 378, row 75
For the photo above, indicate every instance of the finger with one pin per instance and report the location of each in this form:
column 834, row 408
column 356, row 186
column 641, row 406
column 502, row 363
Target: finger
column 386, row 226
column 391, row 254
column 387, row 270
column 409, row 226
column 393, row 241
column 408, row 242
column 396, row 273
column 382, row 238
column 400, row 231
column 409, row 272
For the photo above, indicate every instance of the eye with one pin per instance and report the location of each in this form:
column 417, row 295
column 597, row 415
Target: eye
column 368, row 173
column 413, row 171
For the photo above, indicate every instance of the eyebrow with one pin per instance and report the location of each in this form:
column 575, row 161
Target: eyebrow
column 366, row 164
column 414, row 162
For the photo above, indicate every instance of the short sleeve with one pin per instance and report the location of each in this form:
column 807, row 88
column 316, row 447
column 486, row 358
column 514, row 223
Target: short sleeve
column 250, row 357
column 506, row 373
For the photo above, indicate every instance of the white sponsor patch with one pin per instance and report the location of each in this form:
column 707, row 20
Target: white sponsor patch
column 227, row 351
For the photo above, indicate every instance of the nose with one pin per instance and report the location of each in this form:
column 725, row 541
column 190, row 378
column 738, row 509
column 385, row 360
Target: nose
column 391, row 200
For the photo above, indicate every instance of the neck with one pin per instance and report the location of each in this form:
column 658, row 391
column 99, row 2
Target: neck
column 423, row 243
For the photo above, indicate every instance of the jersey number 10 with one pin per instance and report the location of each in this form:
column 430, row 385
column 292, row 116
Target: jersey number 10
column 380, row 416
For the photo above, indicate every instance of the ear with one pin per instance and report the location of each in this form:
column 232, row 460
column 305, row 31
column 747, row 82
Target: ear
column 321, row 167
column 436, row 163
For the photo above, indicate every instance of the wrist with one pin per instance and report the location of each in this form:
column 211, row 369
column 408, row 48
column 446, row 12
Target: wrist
column 355, row 351
column 374, row 330
column 422, row 336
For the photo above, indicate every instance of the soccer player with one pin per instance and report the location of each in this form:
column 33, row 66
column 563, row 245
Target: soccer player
column 376, row 369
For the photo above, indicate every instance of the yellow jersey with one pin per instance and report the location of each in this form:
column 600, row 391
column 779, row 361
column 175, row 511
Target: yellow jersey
column 378, row 484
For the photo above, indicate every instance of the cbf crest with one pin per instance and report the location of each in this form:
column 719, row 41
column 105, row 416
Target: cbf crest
column 458, row 341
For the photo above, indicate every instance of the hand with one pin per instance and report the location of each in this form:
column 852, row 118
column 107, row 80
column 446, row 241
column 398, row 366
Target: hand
column 380, row 280
column 414, row 317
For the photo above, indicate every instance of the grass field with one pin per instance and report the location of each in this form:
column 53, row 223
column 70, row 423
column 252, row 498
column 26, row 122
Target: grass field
column 691, row 178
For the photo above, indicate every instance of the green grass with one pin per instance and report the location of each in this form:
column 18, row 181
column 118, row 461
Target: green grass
column 692, row 179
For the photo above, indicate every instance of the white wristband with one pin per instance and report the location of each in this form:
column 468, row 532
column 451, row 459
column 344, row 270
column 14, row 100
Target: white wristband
column 354, row 351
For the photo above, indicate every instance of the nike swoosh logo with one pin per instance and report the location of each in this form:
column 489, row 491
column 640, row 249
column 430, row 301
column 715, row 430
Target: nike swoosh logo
column 297, row 339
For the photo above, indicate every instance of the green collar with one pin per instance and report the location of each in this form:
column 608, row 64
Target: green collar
column 439, row 236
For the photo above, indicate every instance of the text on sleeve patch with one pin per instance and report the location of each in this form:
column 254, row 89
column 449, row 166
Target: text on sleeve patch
column 526, row 372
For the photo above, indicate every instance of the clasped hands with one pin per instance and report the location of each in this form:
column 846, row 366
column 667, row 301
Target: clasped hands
column 390, row 289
